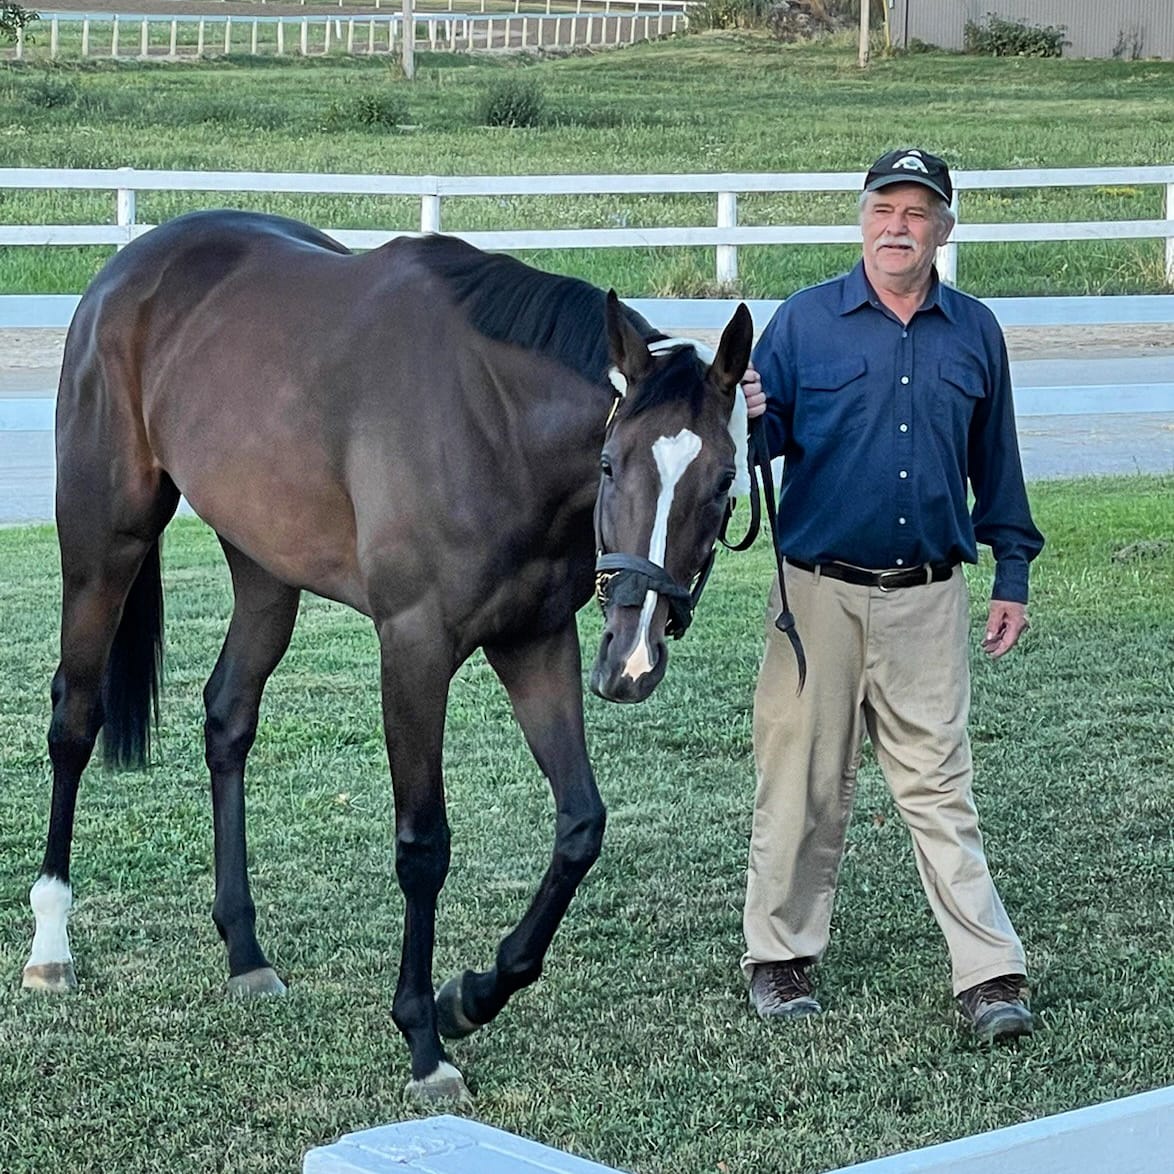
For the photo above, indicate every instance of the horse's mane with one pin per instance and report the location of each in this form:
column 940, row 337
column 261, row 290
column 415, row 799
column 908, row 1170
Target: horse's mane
column 509, row 301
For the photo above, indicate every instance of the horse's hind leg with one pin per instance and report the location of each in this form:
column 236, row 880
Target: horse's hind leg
column 543, row 680
column 111, row 598
column 262, row 621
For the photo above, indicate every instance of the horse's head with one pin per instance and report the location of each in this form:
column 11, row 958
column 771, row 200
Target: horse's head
column 668, row 465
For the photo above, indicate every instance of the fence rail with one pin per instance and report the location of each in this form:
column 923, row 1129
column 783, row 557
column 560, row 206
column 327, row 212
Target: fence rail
column 162, row 37
column 725, row 236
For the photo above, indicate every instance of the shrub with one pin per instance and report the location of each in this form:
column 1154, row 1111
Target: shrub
column 731, row 14
column 50, row 94
column 374, row 110
column 511, row 100
column 13, row 18
column 998, row 37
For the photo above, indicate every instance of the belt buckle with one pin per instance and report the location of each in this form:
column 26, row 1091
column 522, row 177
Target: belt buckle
column 882, row 575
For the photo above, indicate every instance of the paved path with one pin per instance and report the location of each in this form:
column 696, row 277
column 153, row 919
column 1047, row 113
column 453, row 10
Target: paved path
column 1059, row 436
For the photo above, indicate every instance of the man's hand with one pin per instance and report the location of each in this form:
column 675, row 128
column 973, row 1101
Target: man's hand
column 1005, row 623
column 752, row 390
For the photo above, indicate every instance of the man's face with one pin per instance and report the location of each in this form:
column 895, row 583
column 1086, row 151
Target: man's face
column 902, row 228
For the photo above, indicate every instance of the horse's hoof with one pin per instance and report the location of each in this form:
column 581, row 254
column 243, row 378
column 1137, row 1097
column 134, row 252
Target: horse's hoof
column 445, row 1084
column 255, row 984
column 54, row 978
column 451, row 1020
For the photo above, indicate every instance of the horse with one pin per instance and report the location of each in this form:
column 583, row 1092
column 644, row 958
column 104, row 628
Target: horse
column 416, row 432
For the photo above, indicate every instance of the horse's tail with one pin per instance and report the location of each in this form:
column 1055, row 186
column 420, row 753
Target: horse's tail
column 130, row 690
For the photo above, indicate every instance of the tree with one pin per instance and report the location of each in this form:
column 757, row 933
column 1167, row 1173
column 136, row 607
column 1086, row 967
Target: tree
column 13, row 19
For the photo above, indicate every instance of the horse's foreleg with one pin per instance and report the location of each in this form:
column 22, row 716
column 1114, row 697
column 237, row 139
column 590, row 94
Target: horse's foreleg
column 542, row 678
column 415, row 679
column 262, row 621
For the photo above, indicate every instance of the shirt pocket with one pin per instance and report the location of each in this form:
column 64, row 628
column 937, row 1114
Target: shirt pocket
column 831, row 398
column 962, row 388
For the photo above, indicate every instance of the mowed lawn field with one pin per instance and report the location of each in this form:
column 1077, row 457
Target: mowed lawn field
column 710, row 103
column 636, row 1048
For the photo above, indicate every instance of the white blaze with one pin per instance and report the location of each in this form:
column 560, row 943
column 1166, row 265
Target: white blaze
column 51, row 900
column 673, row 455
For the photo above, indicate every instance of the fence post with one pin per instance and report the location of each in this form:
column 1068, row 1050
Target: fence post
column 430, row 213
column 144, row 40
column 1170, row 234
column 227, row 35
column 114, row 36
column 727, row 255
column 200, row 38
column 946, row 258
column 173, row 50
column 408, row 46
column 125, row 208
column 54, row 43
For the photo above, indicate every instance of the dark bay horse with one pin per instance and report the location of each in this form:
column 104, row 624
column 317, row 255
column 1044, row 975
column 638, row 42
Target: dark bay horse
column 417, row 432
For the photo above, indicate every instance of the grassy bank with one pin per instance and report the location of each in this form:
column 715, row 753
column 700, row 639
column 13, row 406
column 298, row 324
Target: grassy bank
column 636, row 1048
column 707, row 103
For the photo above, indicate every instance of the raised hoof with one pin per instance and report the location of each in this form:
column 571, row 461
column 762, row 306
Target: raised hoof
column 255, row 984
column 54, row 978
column 445, row 1084
column 451, row 1020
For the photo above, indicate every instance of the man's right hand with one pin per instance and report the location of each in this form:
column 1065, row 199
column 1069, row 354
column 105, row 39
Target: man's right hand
column 752, row 390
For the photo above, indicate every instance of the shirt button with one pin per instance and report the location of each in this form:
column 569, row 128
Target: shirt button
column 900, row 521
column 903, row 474
column 904, row 427
column 900, row 562
column 904, row 378
column 904, row 333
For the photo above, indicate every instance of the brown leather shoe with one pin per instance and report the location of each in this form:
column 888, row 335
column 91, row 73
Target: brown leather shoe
column 997, row 1009
column 782, row 990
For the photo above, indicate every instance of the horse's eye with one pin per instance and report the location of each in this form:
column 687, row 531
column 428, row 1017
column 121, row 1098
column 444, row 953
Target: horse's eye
column 605, row 465
column 723, row 488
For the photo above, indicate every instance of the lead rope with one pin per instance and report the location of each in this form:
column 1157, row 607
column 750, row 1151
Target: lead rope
column 760, row 461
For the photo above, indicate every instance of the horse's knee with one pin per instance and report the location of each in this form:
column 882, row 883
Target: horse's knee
column 422, row 859
column 579, row 838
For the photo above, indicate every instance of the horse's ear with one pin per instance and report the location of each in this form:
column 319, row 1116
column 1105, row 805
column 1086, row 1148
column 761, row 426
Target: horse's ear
column 733, row 352
column 629, row 352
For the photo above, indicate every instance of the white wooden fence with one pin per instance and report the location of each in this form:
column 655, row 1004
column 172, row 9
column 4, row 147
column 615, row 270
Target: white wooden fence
column 726, row 236
column 172, row 38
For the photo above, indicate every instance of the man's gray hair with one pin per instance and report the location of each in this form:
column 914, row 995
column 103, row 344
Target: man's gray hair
column 942, row 210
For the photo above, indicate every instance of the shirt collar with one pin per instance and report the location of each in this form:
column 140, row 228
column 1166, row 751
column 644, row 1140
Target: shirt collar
column 857, row 291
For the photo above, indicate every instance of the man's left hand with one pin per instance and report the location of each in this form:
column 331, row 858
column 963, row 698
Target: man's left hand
column 1005, row 623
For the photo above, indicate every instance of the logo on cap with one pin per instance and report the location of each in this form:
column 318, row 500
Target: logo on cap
column 911, row 162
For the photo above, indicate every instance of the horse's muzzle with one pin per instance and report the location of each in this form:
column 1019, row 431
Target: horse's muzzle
column 630, row 663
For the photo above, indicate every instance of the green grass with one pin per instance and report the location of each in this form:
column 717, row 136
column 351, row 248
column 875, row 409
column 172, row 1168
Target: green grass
column 654, row 107
column 636, row 1048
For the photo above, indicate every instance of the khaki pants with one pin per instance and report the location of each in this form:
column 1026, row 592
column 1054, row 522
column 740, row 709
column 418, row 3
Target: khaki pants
column 894, row 664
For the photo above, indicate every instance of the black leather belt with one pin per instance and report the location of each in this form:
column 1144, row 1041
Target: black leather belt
column 891, row 580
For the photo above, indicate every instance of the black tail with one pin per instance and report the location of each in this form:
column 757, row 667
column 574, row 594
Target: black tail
column 130, row 691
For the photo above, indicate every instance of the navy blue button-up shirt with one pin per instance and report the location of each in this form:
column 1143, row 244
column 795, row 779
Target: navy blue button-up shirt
column 882, row 426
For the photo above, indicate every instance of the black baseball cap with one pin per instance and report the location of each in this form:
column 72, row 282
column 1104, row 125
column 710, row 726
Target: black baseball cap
column 910, row 165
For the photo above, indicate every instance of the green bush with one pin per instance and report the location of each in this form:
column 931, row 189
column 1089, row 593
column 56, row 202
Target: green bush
column 996, row 36
column 374, row 110
column 13, row 18
column 512, row 100
column 730, row 14
column 50, row 94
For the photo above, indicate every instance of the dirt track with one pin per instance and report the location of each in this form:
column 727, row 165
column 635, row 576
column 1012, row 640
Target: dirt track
column 24, row 349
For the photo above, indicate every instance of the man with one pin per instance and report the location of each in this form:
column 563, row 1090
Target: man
column 886, row 392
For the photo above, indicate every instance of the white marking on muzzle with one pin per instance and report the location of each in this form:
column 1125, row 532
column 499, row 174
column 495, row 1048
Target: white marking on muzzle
column 673, row 455
column 50, row 900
